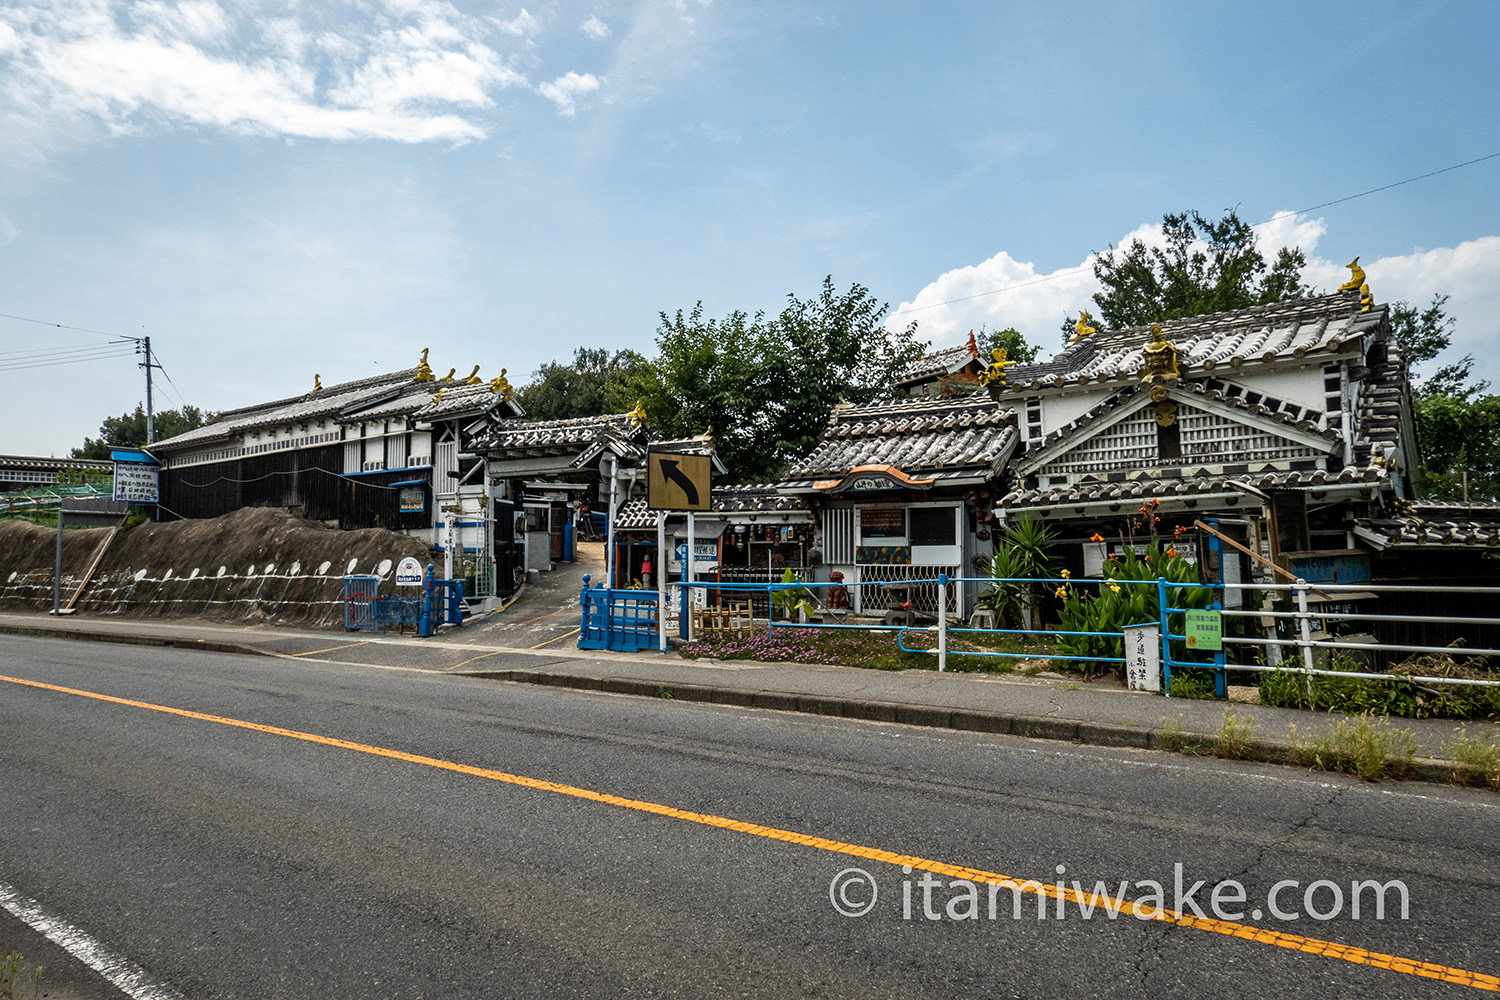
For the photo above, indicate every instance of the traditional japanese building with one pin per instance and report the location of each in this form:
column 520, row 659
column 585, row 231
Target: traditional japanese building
column 387, row 451
column 1284, row 423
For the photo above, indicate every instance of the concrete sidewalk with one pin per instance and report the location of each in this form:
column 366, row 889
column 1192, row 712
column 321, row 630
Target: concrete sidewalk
column 1059, row 709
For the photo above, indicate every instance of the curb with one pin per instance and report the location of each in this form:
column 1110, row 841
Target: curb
column 127, row 639
column 1100, row 734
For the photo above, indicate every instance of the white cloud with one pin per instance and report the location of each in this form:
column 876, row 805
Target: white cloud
column 594, row 27
column 567, row 89
column 1003, row 291
column 400, row 70
column 523, row 25
column 9, row 232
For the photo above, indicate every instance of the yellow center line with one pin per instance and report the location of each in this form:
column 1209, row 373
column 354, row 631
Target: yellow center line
column 1247, row 932
column 314, row 652
column 493, row 652
column 555, row 638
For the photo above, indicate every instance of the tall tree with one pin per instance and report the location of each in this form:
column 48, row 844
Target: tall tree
column 1017, row 348
column 128, row 430
column 1206, row 266
column 765, row 385
column 584, row 388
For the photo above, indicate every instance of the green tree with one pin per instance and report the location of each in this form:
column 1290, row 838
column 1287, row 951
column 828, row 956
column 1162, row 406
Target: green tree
column 585, row 388
column 1017, row 347
column 764, row 385
column 128, row 430
column 1206, row 266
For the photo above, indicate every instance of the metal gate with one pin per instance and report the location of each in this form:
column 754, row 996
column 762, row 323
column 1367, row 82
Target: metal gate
column 359, row 603
column 622, row 620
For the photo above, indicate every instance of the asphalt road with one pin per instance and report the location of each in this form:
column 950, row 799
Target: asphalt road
column 225, row 861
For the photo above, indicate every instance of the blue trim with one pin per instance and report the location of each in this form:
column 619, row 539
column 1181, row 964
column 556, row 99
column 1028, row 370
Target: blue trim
column 404, row 482
column 381, row 472
column 132, row 455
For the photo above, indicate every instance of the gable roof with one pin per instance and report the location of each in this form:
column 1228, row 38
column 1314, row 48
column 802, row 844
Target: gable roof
column 965, row 438
column 1451, row 525
column 1213, row 342
column 736, row 503
column 934, row 365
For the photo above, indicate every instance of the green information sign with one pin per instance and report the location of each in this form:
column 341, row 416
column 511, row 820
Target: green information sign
column 1205, row 630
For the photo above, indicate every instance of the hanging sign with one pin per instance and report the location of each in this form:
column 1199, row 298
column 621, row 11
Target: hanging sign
column 409, row 573
column 137, row 482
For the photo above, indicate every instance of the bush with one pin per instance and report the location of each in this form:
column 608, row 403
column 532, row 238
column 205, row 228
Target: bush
column 1399, row 696
column 1132, row 600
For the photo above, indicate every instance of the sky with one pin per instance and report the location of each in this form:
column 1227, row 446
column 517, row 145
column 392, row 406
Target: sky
column 275, row 188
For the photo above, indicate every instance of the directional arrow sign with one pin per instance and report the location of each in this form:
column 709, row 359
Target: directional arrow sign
column 677, row 482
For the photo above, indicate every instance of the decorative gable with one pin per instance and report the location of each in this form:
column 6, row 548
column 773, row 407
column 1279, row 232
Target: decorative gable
column 1172, row 432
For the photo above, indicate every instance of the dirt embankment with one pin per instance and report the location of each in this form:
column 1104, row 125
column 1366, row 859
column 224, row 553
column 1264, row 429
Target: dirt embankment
column 257, row 564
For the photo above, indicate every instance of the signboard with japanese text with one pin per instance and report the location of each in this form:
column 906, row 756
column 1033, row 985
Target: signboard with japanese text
column 409, row 573
column 137, row 482
column 1205, row 630
column 1143, row 657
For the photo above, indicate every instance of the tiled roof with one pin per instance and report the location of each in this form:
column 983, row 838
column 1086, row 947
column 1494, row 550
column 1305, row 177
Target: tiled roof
column 943, row 362
column 921, row 437
column 1215, row 342
column 1435, row 524
column 1147, row 483
column 328, row 402
column 726, row 500
column 34, row 463
column 517, row 438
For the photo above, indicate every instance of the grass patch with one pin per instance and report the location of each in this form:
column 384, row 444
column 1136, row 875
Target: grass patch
column 1233, row 740
column 1474, row 760
column 1174, row 740
column 874, row 650
column 1189, row 683
column 16, row 981
column 1399, row 696
column 1368, row 747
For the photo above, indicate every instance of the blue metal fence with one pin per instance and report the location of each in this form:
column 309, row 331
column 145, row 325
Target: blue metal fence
column 622, row 620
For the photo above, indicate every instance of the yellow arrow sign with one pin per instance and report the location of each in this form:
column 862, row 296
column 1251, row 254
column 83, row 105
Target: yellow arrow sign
column 677, row 482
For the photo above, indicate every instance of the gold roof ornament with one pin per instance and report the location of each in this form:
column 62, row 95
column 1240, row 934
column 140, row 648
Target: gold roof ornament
column 1081, row 328
column 448, row 377
column 317, row 383
column 972, row 346
column 473, row 377
column 501, row 387
column 994, row 375
column 424, row 371
column 843, row 404
column 1366, row 300
column 437, row 397
column 1158, row 358
column 638, row 415
column 1356, row 277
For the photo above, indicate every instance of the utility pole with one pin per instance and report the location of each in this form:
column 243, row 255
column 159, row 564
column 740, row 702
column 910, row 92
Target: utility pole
column 150, row 417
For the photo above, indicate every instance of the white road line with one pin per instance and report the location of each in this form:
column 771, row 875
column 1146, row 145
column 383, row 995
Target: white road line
column 124, row 974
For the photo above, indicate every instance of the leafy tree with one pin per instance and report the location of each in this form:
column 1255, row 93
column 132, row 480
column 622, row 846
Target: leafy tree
column 1460, row 435
column 1206, row 266
column 129, row 429
column 764, row 385
column 1015, row 344
column 584, row 388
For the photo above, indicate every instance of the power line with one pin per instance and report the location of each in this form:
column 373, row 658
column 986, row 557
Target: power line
column 1055, row 275
column 24, row 364
column 54, row 352
column 64, row 326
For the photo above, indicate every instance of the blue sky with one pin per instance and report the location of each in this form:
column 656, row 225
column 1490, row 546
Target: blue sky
column 276, row 188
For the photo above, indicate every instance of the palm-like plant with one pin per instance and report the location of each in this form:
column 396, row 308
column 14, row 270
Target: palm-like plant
column 1022, row 555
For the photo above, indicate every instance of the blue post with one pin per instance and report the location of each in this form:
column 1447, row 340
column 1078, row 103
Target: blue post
column 682, row 614
column 568, row 541
column 770, row 612
column 1166, row 647
column 424, row 625
column 1221, row 676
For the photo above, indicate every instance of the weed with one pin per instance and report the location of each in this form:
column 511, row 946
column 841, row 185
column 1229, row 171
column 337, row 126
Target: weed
column 1073, row 687
column 1474, row 758
column 15, row 982
column 1192, row 684
column 1233, row 741
column 1368, row 747
column 1174, row 740
column 663, row 692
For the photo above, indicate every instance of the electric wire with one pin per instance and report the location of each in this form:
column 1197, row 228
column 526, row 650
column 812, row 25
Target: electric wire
column 1089, row 262
column 58, row 351
column 64, row 326
column 23, row 366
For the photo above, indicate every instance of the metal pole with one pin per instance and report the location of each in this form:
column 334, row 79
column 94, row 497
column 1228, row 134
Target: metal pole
column 57, row 569
column 1306, row 636
column 1166, row 646
column 942, row 622
column 659, row 564
column 150, row 416
column 687, row 576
